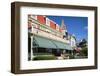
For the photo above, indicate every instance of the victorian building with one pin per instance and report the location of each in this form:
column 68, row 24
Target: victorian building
column 46, row 36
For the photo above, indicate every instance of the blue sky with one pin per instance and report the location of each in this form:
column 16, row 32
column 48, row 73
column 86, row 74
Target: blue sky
column 75, row 25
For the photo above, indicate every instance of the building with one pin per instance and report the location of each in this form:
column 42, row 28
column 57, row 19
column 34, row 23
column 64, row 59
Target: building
column 46, row 36
column 73, row 42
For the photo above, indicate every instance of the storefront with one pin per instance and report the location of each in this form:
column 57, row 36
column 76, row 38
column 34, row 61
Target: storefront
column 42, row 45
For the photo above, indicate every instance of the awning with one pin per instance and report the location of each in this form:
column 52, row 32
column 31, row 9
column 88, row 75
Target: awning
column 61, row 45
column 44, row 42
column 48, row 43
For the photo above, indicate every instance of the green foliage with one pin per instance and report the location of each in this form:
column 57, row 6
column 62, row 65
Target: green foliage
column 44, row 57
column 71, row 57
column 83, row 43
column 84, row 51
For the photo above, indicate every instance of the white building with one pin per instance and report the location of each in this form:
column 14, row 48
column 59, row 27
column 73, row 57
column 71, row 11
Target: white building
column 73, row 42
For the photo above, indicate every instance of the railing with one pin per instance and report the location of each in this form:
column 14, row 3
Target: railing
column 49, row 35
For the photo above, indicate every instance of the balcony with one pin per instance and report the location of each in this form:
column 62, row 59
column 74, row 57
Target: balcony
column 49, row 35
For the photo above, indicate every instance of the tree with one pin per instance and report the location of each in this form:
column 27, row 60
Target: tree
column 83, row 45
column 84, row 51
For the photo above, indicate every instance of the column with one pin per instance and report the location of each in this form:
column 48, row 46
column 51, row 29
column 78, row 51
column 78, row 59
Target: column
column 31, row 47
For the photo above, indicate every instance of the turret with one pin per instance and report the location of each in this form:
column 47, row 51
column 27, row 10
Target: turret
column 64, row 29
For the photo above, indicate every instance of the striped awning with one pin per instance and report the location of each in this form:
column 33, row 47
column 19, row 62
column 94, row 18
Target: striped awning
column 44, row 42
column 61, row 45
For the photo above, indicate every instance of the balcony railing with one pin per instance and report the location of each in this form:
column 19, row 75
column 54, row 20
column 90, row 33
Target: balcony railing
column 49, row 35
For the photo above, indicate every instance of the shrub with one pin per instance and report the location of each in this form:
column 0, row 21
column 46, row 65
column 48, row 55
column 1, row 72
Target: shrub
column 44, row 57
column 71, row 57
column 84, row 51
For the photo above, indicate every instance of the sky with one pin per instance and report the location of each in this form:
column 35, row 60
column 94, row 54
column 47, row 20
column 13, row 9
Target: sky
column 77, row 26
